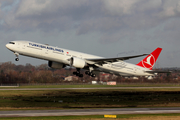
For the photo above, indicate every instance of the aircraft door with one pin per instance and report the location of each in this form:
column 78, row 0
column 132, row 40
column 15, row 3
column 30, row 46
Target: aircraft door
column 18, row 45
column 23, row 46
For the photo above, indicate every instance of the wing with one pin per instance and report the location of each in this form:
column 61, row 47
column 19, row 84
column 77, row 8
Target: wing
column 107, row 60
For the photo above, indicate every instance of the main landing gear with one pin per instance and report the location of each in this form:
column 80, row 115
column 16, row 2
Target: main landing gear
column 77, row 73
column 16, row 54
column 90, row 74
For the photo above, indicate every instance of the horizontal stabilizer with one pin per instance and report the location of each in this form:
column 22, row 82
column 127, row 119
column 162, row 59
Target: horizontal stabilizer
column 158, row 71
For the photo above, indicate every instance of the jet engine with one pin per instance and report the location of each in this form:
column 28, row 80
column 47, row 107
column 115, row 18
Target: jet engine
column 77, row 62
column 55, row 65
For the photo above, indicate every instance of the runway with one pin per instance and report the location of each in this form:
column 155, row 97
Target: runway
column 74, row 112
column 1, row 89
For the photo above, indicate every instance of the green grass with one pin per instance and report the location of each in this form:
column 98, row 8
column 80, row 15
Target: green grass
column 94, row 86
column 88, row 117
column 63, row 99
column 93, row 98
column 55, row 117
column 99, row 86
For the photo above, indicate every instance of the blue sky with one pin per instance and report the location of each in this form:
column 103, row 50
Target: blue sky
column 101, row 27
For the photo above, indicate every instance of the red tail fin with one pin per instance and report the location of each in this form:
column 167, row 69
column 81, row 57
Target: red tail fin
column 149, row 61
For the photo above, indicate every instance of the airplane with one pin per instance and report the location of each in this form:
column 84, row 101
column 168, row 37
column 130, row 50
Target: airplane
column 59, row 58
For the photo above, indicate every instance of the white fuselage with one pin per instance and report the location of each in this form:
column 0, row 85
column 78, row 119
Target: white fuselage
column 50, row 53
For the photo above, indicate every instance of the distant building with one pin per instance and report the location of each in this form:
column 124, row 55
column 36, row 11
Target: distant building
column 175, row 78
column 104, row 76
column 150, row 77
column 111, row 83
column 94, row 82
column 135, row 78
column 70, row 78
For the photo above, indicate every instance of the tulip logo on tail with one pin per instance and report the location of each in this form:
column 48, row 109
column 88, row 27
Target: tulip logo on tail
column 149, row 62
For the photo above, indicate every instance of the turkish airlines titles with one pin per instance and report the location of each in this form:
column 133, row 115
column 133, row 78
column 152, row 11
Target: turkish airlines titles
column 45, row 47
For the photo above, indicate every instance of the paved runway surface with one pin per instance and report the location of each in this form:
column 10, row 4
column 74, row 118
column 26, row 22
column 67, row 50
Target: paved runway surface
column 88, row 88
column 114, row 111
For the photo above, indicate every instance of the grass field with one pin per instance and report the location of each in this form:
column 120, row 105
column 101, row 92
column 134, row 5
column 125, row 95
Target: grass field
column 92, row 98
column 101, row 117
column 96, row 86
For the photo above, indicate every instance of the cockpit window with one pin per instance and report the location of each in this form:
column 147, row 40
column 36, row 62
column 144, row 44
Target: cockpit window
column 11, row 43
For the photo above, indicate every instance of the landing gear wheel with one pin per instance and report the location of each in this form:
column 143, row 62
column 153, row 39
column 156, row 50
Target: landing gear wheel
column 87, row 73
column 93, row 75
column 16, row 54
column 17, row 59
column 74, row 73
column 90, row 74
column 80, row 75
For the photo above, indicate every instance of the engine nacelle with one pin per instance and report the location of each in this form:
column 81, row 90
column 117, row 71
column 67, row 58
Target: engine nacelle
column 77, row 62
column 55, row 65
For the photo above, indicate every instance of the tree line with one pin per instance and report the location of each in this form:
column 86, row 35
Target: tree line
column 11, row 73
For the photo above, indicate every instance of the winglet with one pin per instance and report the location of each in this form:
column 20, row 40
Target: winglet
column 149, row 61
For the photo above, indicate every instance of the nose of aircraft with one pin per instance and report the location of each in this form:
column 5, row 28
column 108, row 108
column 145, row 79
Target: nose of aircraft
column 7, row 45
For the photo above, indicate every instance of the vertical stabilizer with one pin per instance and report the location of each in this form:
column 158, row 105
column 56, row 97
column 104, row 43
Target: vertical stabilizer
column 149, row 61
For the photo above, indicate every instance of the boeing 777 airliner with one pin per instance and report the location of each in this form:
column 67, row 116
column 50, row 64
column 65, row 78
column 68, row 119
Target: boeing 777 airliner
column 59, row 58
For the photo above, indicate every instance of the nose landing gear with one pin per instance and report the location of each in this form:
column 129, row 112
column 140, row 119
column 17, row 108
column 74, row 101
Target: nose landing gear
column 16, row 59
column 16, row 54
